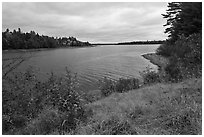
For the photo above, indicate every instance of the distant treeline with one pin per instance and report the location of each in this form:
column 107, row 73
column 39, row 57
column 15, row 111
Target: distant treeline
column 133, row 42
column 142, row 42
column 32, row 40
column 103, row 44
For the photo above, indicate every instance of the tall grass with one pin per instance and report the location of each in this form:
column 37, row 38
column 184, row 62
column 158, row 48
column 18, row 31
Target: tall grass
column 161, row 109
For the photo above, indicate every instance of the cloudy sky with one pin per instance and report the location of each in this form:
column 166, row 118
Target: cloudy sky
column 93, row 22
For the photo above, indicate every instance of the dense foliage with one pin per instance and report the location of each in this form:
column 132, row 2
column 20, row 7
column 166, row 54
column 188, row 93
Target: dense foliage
column 149, row 76
column 187, row 60
column 34, row 107
column 32, row 40
column 184, row 46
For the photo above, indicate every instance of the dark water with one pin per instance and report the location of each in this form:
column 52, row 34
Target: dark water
column 90, row 64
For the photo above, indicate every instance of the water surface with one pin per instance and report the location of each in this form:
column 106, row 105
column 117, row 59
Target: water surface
column 90, row 64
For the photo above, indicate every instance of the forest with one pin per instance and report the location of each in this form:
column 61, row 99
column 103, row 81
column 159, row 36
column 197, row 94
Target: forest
column 32, row 40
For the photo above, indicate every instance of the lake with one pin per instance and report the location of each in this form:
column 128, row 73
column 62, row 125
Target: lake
column 90, row 63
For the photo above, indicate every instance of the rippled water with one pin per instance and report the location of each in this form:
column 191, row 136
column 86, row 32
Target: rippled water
column 90, row 64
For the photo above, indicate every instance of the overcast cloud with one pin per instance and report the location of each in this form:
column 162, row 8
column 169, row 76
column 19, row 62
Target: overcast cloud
column 93, row 22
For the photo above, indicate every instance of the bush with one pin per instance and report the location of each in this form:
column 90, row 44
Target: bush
column 150, row 76
column 173, row 70
column 62, row 93
column 186, row 57
column 19, row 100
column 124, row 85
column 108, row 86
column 24, row 98
column 165, row 49
column 190, row 47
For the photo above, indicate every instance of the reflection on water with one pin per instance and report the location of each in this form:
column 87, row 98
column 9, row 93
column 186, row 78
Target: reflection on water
column 90, row 64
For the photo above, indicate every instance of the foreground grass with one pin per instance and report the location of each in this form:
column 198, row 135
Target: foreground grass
column 173, row 108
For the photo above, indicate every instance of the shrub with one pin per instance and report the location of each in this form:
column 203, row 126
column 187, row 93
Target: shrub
column 62, row 94
column 165, row 49
column 24, row 97
column 173, row 70
column 108, row 86
column 183, row 47
column 150, row 76
column 124, row 85
column 186, row 57
column 19, row 102
column 179, row 69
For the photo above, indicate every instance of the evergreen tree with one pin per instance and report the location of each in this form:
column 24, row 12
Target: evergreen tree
column 183, row 18
column 7, row 30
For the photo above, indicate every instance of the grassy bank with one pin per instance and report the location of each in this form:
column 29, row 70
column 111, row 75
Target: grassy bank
column 158, row 109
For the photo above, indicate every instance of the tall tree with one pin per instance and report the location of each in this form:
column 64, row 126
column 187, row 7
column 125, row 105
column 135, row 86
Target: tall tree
column 183, row 18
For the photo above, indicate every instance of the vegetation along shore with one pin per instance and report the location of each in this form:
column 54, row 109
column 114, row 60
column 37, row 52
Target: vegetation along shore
column 169, row 101
column 158, row 60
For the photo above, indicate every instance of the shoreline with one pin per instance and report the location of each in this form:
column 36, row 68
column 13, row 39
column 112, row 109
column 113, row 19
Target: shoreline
column 155, row 59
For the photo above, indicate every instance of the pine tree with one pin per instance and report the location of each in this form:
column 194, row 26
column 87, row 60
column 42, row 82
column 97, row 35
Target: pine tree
column 183, row 18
